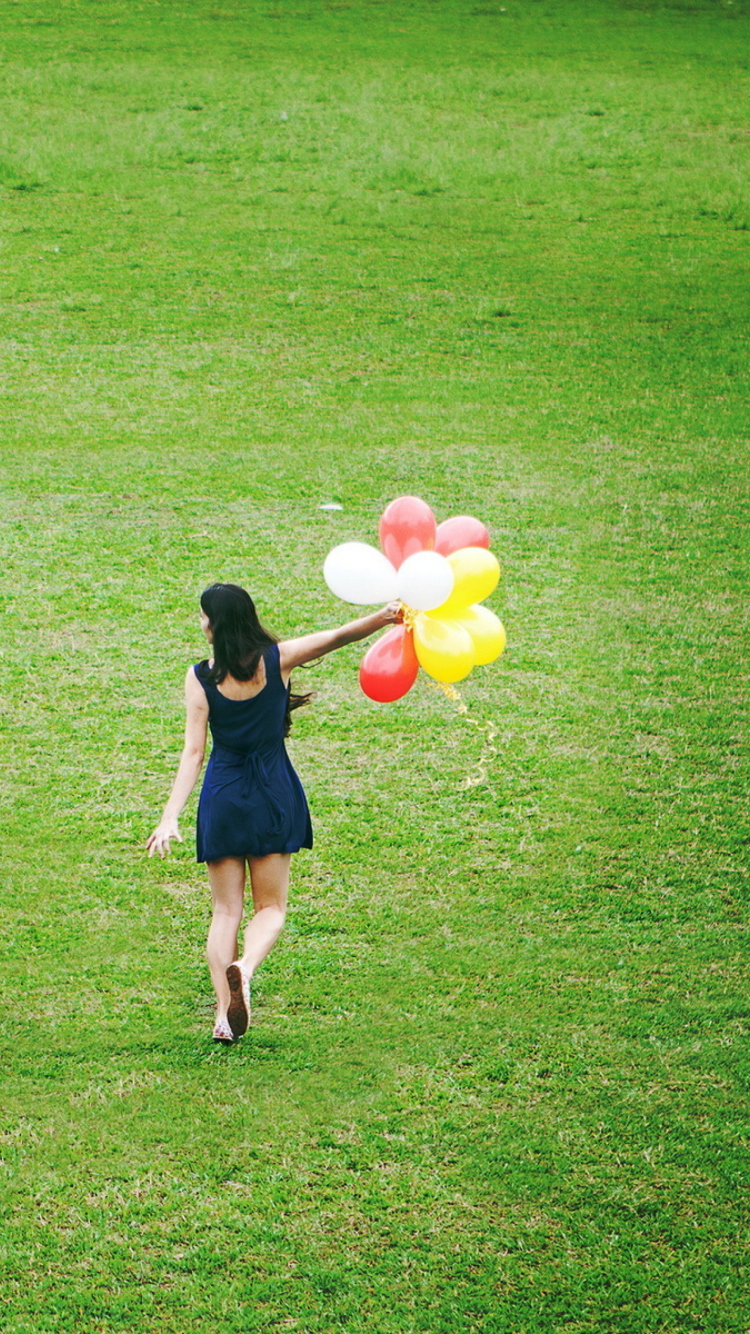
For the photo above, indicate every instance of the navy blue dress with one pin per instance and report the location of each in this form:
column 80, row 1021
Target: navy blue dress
column 252, row 802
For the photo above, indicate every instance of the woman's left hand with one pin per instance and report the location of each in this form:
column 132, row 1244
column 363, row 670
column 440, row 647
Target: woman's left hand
column 393, row 613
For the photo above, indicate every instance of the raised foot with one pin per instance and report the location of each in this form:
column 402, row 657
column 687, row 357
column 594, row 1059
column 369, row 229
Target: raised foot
column 238, row 1013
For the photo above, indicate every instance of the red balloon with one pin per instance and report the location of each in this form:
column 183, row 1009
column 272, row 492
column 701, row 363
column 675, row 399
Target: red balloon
column 461, row 531
column 408, row 525
column 389, row 669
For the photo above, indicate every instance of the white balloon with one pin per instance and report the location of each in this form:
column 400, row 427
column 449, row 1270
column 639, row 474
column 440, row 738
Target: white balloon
column 357, row 572
column 425, row 580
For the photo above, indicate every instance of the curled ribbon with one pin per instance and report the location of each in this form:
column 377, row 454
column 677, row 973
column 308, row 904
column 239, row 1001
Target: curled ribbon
column 489, row 749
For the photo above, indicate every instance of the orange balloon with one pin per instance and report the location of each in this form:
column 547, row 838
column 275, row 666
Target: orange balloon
column 463, row 530
column 407, row 526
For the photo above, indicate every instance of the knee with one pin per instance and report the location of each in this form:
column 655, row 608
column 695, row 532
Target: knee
column 274, row 911
column 226, row 916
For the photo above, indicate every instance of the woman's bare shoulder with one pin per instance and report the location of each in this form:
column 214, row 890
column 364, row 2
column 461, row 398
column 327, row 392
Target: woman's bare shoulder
column 194, row 691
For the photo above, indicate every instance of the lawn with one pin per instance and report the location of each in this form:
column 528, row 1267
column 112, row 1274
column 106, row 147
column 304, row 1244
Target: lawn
column 259, row 256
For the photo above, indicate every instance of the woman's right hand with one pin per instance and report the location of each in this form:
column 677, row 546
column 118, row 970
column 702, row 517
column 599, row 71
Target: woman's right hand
column 159, row 841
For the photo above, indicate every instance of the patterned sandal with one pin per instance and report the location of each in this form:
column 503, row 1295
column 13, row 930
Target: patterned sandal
column 222, row 1031
column 238, row 1013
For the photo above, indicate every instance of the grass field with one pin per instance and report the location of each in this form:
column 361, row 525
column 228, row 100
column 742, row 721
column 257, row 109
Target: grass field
column 257, row 256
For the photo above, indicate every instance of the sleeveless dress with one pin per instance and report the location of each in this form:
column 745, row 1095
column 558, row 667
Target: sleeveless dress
column 252, row 802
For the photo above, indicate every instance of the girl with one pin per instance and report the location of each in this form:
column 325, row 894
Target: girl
column 252, row 812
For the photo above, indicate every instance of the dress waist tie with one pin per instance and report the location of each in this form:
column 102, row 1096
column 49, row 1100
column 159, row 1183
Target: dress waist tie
column 254, row 772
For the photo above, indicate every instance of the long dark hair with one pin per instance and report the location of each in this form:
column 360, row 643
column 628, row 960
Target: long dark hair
column 239, row 639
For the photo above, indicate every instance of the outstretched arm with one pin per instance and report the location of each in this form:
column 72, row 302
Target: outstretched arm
column 191, row 763
column 294, row 652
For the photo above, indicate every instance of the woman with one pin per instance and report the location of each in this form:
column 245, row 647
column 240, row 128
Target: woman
column 252, row 812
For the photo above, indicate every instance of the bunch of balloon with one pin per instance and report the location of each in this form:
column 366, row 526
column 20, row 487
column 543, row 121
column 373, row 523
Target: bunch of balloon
column 441, row 573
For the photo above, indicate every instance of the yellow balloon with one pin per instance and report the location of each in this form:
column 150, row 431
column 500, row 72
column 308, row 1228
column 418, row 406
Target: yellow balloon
column 475, row 573
column 444, row 648
column 487, row 633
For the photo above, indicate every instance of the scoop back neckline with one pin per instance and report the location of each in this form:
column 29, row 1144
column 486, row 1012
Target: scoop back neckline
column 248, row 698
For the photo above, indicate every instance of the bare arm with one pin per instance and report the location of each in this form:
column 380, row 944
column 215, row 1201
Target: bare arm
column 191, row 763
column 294, row 652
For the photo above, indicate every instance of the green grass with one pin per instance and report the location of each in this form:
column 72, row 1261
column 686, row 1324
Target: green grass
column 256, row 257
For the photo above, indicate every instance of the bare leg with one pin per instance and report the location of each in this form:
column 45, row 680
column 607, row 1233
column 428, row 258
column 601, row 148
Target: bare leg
column 227, row 881
column 269, row 877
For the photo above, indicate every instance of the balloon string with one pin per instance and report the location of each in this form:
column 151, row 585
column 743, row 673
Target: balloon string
column 452, row 694
column 489, row 750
